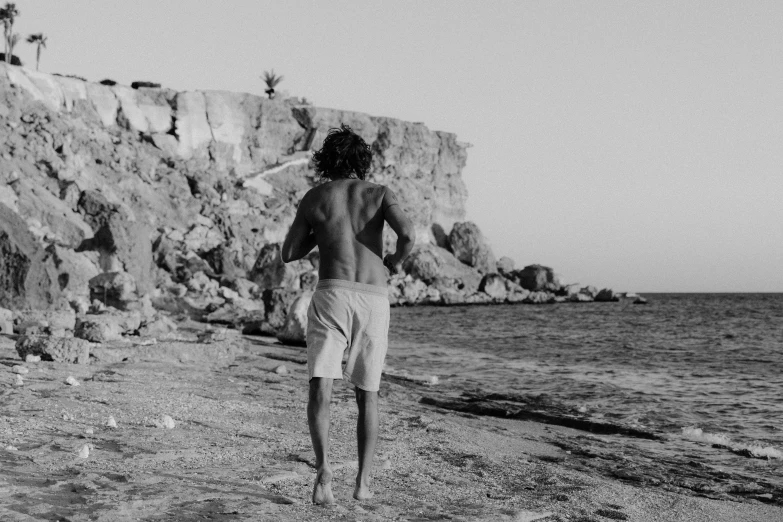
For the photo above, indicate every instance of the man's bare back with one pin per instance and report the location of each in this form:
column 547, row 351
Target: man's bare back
column 344, row 219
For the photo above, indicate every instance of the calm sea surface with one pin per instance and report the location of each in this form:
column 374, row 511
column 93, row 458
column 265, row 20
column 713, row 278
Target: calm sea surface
column 708, row 361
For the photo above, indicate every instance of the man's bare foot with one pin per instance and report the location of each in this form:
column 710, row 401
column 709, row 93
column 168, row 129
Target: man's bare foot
column 322, row 491
column 362, row 492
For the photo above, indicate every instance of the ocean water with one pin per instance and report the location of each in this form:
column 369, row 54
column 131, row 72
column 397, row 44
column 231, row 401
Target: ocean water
column 704, row 367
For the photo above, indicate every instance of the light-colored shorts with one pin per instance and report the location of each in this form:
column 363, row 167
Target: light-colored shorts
column 344, row 315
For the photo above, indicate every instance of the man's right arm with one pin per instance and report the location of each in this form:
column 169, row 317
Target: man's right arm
column 402, row 226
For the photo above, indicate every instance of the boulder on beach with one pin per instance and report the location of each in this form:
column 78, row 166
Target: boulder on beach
column 105, row 327
column 51, row 348
column 294, row 331
column 469, row 246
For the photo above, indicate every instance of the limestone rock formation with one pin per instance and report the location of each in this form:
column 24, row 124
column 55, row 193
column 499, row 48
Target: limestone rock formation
column 469, row 246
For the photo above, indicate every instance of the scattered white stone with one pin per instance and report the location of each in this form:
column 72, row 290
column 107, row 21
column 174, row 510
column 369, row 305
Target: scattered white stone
column 85, row 451
column 168, row 422
column 88, row 431
column 21, row 370
column 67, row 416
column 71, row 380
column 11, row 448
column 18, row 381
column 110, row 422
column 30, row 358
column 281, row 370
column 582, row 409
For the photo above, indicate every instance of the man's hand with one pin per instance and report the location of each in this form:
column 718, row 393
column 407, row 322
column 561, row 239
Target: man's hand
column 391, row 264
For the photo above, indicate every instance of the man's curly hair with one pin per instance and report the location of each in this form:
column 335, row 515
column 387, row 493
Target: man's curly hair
column 343, row 154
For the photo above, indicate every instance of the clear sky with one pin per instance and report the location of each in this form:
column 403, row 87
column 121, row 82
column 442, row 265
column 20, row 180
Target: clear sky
column 631, row 145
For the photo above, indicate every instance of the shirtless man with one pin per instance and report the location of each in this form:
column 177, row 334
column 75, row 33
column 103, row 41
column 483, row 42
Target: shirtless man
column 349, row 311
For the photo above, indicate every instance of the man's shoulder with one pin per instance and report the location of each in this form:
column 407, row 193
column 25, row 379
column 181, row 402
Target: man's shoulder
column 372, row 189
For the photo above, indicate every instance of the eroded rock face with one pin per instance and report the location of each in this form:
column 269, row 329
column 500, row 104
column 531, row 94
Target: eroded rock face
column 469, row 246
column 28, row 275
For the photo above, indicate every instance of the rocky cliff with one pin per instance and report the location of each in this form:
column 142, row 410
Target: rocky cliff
column 115, row 198
column 214, row 175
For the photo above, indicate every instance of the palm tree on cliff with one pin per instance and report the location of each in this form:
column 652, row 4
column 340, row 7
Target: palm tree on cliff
column 12, row 41
column 8, row 14
column 271, row 81
column 40, row 40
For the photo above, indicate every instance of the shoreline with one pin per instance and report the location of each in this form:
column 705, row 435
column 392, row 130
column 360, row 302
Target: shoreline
column 240, row 449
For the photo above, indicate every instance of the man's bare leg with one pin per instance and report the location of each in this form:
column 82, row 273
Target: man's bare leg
column 367, row 436
column 318, row 420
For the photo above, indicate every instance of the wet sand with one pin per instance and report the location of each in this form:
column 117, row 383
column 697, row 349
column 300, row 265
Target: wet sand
column 240, row 448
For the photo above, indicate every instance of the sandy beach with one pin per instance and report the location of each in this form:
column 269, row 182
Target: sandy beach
column 240, row 449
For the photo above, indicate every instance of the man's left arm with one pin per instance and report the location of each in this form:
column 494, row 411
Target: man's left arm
column 300, row 239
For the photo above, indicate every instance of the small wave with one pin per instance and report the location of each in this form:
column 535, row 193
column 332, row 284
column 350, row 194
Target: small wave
column 756, row 450
column 698, row 434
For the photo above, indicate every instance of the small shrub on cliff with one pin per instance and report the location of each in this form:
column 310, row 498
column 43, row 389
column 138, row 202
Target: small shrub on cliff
column 271, row 81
